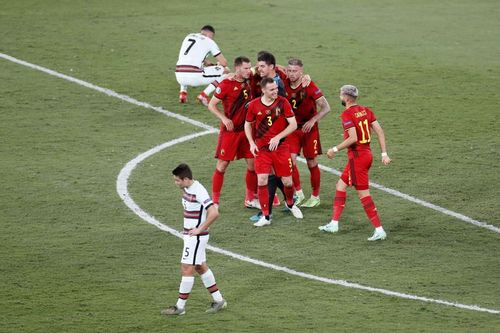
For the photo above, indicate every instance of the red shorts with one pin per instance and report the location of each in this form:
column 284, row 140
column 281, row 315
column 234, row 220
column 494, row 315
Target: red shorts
column 279, row 160
column 232, row 146
column 356, row 171
column 309, row 142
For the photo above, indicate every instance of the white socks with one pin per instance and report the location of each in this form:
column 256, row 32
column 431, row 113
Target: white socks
column 185, row 288
column 208, row 279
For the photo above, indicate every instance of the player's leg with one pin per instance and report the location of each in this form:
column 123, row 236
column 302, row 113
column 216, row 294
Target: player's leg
column 314, row 200
column 251, row 200
column 214, row 75
column 262, row 180
column 372, row 214
column 187, row 280
column 208, row 278
column 218, row 179
column 296, row 181
column 282, row 163
column 339, row 199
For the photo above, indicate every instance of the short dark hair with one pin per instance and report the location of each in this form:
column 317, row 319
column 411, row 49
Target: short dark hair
column 208, row 28
column 265, row 81
column 240, row 60
column 183, row 171
column 295, row 62
column 267, row 57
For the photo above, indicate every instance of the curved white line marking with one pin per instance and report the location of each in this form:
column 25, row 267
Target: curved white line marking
column 182, row 118
column 122, row 189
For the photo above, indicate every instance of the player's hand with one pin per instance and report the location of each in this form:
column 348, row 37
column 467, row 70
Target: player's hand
column 253, row 149
column 330, row 153
column 386, row 160
column 309, row 125
column 194, row 232
column 306, row 79
column 228, row 123
column 273, row 143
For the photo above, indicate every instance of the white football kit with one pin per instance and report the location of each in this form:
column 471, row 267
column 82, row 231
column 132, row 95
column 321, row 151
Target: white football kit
column 189, row 70
column 195, row 201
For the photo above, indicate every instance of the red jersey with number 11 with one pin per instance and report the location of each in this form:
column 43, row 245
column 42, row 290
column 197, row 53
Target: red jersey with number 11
column 361, row 118
column 270, row 120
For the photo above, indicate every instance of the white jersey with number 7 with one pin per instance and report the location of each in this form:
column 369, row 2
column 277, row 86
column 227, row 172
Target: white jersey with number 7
column 195, row 48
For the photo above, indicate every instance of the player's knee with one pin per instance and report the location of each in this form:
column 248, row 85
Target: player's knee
column 287, row 181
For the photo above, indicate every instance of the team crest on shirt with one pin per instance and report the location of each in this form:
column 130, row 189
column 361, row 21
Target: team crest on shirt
column 278, row 112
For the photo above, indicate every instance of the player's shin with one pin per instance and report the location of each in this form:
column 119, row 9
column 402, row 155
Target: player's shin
column 338, row 204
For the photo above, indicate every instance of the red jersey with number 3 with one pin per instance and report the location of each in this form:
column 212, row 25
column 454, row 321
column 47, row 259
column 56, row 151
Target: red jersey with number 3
column 234, row 96
column 303, row 101
column 361, row 118
column 269, row 120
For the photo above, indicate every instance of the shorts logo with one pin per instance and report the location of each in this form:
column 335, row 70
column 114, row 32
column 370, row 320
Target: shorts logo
column 218, row 90
column 222, row 152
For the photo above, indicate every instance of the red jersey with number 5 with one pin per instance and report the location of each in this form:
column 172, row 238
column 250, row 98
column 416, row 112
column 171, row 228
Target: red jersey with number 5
column 234, row 95
column 361, row 118
column 269, row 120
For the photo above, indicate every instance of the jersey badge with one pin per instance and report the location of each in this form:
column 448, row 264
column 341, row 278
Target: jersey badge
column 278, row 112
column 218, row 90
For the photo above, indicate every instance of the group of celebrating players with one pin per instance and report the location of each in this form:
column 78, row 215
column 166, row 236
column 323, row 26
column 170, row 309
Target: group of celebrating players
column 270, row 115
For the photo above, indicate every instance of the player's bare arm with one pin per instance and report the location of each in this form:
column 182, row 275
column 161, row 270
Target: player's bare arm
column 248, row 133
column 221, row 60
column 212, row 215
column 353, row 137
column 322, row 105
column 212, row 106
column 292, row 126
column 381, row 141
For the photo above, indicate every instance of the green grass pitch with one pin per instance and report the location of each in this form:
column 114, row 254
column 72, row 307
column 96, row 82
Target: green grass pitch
column 75, row 258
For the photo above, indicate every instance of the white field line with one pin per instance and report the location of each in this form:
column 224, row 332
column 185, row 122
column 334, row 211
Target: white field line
column 122, row 189
column 214, row 130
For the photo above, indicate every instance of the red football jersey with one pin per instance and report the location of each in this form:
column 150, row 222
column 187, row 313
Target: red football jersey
column 234, row 95
column 303, row 101
column 269, row 120
column 361, row 118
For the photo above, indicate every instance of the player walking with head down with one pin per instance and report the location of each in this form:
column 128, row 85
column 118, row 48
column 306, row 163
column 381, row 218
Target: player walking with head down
column 305, row 103
column 271, row 118
column 357, row 121
column 199, row 214
column 193, row 69
column 234, row 94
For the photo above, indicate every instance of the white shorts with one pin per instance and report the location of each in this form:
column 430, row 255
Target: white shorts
column 194, row 249
column 196, row 79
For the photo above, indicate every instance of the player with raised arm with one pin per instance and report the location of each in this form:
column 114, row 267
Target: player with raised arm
column 358, row 121
column 193, row 68
column 305, row 103
column 269, row 120
column 232, row 144
column 199, row 214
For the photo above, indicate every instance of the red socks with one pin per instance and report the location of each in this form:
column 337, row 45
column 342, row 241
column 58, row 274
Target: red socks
column 296, row 178
column 338, row 205
column 251, row 184
column 264, row 199
column 371, row 211
column 315, row 180
column 289, row 196
column 217, row 181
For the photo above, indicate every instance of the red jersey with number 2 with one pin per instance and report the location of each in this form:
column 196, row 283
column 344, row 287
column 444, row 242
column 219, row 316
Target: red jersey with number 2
column 361, row 118
column 270, row 120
